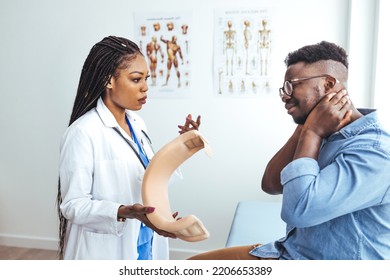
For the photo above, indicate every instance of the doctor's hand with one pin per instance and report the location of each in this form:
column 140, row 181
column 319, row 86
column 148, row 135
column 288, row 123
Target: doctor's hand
column 138, row 211
column 162, row 232
column 189, row 124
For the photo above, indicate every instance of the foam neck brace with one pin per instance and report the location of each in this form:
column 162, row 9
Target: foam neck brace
column 155, row 186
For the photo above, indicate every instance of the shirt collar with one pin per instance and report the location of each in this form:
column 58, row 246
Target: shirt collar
column 106, row 116
column 369, row 118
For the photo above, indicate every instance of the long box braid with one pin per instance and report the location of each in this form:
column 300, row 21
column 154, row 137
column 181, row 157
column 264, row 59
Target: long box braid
column 102, row 63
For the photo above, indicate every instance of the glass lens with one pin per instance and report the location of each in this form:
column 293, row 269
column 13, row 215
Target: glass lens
column 288, row 88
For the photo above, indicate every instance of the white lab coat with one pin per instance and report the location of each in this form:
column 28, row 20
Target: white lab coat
column 99, row 172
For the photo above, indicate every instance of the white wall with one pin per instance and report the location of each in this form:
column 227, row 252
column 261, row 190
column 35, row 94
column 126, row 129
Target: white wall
column 382, row 97
column 43, row 46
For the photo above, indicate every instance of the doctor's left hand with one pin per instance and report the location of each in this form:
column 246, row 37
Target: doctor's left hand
column 138, row 211
column 189, row 124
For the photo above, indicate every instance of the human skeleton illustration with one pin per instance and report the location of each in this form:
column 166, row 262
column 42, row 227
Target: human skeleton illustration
column 229, row 47
column 243, row 65
column 264, row 48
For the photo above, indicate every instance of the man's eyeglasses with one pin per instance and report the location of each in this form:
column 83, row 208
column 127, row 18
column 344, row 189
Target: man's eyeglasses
column 288, row 86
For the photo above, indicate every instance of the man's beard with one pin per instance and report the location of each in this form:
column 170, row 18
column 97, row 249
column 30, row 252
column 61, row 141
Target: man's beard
column 300, row 120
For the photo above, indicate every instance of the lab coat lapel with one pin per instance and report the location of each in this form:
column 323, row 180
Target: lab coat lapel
column 109, row 120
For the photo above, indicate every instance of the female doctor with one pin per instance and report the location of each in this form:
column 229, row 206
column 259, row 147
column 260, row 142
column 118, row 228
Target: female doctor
column 103, row 156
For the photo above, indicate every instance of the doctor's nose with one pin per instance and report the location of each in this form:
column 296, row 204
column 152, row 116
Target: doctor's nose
column 145, row 87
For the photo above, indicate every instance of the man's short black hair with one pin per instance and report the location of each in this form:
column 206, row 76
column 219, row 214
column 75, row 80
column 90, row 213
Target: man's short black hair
column 320, row 51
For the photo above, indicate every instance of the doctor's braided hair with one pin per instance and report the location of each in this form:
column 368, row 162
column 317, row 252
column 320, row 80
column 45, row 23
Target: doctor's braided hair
column 102, row 63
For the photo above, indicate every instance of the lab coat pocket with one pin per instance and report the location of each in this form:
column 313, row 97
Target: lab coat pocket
column 97, row 246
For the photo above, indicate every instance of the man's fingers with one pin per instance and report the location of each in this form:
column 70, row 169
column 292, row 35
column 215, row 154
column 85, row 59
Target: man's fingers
column 344, row 102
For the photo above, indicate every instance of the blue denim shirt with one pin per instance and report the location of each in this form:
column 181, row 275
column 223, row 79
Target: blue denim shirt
column 339, row 206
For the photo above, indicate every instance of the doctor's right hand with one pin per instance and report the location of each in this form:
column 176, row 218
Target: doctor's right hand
column 138, row 211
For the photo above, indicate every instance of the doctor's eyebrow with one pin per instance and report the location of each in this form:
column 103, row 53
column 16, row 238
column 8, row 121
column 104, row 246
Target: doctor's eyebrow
column 138, row 72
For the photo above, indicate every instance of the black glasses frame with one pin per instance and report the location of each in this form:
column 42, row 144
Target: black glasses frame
column 288, row 86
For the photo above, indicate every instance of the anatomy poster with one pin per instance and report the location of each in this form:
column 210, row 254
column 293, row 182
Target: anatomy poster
column 242, row 52
column 165, row 40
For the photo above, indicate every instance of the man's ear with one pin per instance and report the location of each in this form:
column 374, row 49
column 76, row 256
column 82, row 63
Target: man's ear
column 329, row 83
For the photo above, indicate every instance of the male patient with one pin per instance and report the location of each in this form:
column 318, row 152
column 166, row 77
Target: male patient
column 333, row 171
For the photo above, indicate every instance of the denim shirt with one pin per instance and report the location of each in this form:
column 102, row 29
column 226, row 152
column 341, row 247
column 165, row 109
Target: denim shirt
column 339, row 206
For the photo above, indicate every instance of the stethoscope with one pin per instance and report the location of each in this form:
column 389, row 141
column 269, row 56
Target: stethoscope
column 148, row 141
column 143, row 141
